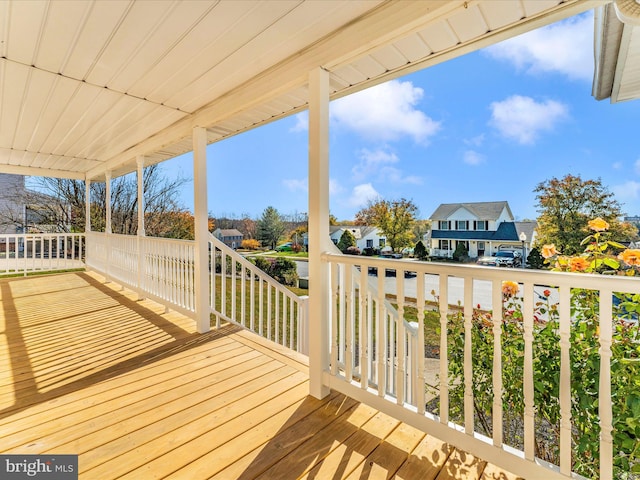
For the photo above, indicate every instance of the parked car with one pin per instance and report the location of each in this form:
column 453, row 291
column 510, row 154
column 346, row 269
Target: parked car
column 503, row 258
column 285, row 247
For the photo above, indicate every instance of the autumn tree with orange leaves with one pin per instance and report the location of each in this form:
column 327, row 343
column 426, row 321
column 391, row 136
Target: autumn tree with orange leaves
column 567, row 204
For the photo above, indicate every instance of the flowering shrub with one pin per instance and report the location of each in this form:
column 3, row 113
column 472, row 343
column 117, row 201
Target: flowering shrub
column 600, row 256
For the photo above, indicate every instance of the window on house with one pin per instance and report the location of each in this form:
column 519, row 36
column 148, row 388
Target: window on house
column 443, row 245
column 382, row 242
column 443, row 225
column 481, row 225
column 370, row 243
column 462, row 225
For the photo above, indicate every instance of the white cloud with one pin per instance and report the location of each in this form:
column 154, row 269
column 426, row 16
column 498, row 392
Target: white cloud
column 335, row 187
column 361, row 194
column 617, row 165
column 564, row 47
column 385, row 112
column 377, row 164
column 302, row 185
column 472, row 157
column 476, row 141
column 371, row 162
column 296, row 185
column 636, row 166
column 523, row 119
column 302, row 122
column 627, row 191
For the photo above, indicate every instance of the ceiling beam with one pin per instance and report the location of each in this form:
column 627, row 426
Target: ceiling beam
column 41, row 172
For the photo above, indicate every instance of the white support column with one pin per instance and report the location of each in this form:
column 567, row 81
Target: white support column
column 107, row 228
column 318, row 230
column 140, row 165
column 201, row 214
column 107, row 181
column 141, row 232
column 87, row 205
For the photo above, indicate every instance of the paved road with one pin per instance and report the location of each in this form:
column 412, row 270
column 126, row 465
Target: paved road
column 481, row 288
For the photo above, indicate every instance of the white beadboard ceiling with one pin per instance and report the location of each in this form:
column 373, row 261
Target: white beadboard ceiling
column 87, row 86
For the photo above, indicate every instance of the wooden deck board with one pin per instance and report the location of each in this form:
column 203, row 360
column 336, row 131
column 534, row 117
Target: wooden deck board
column 87, row 369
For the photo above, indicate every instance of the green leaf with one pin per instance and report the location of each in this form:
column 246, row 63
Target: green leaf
column 610, row 262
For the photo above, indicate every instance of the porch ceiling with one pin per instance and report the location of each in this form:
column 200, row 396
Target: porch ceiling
column 85, row 87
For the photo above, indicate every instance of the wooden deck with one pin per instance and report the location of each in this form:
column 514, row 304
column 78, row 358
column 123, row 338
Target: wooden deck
column 86, row 369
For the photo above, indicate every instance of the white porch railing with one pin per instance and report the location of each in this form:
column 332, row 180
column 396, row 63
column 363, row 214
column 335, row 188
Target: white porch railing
column 380, row 360
column 243, row 294
column 239, row 292
column 440, row 252
column 40, row 252
column 158, row 268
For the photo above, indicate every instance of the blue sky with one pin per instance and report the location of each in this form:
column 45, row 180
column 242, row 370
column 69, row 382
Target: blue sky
column 487, row 126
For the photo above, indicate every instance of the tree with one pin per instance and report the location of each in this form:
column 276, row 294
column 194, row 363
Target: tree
column 420, row 251
column 565, row 206
column 461, row 253
column 347, row 239
column 270, row 227
column 250, row 244
column 394, row 218
column 421, row 228
column 65, row 205
column 535, row 258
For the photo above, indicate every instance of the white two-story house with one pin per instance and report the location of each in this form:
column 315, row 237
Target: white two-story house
column 484, row 228
column 366, row 237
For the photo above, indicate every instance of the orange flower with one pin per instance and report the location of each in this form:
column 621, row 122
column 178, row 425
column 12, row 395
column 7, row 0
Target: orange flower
column 578, row 264
column 549, row 251
column 509, row 289
column 546, row 293
column 630, row 256
column 598, row 224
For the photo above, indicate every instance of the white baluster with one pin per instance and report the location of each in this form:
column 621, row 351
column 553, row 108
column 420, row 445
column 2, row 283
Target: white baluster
column 496, row 301
column 604, row 394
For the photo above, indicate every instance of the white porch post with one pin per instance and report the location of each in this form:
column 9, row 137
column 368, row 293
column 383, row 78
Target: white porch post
column 87, row 205
column 107, row 227
column 318, row 230
column 107, row 180
column 140, row 165
column 201, row 214
column 141, row 233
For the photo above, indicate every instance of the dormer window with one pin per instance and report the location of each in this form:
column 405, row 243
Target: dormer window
column 443, row 225
column 482, row 225
column 462, row 225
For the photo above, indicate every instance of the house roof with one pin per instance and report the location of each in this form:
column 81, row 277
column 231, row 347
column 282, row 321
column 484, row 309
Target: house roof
column 481, row 210
column 231, row 232
column 617, row 51
column 361, row 231
column 89, row 87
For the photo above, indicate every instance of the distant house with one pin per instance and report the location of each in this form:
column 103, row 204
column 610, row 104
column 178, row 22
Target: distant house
column 230, row 237
column 26, row 211
column 483, row 227
column 366, row 237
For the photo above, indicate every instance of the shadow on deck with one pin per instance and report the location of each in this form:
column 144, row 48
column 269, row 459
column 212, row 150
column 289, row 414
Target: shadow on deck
column 87, row 369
